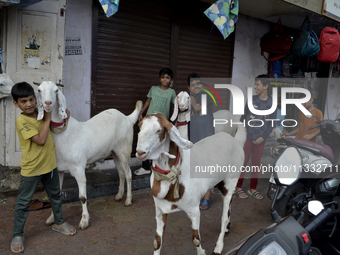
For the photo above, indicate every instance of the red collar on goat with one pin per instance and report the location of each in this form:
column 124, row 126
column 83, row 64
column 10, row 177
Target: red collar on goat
column 161, row 171
column 181, row 123
column 56, row 124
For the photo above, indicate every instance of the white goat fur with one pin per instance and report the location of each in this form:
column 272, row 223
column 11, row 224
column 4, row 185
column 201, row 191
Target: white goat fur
column 182, row 110
column 82, row 143
column 156, row 139
column 6, row 85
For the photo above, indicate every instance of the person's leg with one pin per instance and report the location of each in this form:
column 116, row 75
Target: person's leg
column 247, row 152
column 205, row 204
column 256, row 161
column 52, row 187
column 22, row 206
column 146, row 164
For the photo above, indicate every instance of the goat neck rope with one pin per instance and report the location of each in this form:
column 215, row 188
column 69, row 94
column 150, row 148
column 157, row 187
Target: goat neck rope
column 172, row 175
column 181, row 123
column 55, row 126
column 161, row 171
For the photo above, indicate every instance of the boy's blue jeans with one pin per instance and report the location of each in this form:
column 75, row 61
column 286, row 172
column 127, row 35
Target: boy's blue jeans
column 27, row 188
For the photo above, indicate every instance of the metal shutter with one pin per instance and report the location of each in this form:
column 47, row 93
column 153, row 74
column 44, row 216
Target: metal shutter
column 131, row 47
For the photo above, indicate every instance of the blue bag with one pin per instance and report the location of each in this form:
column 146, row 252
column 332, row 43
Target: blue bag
column 306, row 42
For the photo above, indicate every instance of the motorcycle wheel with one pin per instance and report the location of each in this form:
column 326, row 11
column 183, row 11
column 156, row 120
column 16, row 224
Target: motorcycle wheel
column 285, row 206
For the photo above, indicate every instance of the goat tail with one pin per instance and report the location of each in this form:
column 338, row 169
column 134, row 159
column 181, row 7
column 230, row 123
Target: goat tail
column 241, row 134
column 135, row 114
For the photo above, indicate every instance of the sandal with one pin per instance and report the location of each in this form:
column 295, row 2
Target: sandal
column 206, row 203
column 65, row 229
column 18, row 240
column 256, row 194
column 241, row 194
column 141, row 171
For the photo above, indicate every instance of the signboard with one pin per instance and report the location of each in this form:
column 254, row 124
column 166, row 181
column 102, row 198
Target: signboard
column 311, row 5
column 331, row 9
column 73, row 46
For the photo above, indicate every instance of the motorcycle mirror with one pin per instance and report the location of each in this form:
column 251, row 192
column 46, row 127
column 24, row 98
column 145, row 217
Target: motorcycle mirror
column 287, row 167
column 315, row 207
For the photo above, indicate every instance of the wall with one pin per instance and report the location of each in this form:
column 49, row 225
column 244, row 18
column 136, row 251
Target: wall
column 77, row 68
column 248, row 62
column 332, row 107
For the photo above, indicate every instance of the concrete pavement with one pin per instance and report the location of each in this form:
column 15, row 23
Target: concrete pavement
column 116, row 229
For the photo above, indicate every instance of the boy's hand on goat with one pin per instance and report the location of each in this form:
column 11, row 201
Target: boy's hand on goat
column 140, row 117
column 47, row 116
column 68, row 114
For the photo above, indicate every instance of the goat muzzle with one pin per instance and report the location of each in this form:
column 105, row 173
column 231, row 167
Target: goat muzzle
column 141, row 155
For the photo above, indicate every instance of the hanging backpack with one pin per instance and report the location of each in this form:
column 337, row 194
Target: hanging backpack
column 306, row 42
column 329, row 41
column 275, row 42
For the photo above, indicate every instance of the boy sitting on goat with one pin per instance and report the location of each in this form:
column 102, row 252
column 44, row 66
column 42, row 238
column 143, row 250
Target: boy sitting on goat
column 38, row 163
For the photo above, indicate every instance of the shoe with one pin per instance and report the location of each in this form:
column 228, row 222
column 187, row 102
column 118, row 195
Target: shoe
column 256, row 194
column 240, row 193
column 141, row 171
column 16, row 241
column 64, row 229
column 206, row 203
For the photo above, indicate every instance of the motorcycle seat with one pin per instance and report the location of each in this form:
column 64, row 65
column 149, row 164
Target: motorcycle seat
column 324, row 149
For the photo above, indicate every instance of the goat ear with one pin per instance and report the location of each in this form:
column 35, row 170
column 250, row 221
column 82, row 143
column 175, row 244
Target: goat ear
column 177, row 139
column 175, row 113
column 39, row 106
column 188, row 113
column 62, row 104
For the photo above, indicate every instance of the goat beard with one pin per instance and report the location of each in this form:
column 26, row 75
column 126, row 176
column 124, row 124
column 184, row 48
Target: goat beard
column 47, row 109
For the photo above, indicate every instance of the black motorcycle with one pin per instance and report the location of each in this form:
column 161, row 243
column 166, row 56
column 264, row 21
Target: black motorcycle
column 316, row 158
column 320, row 235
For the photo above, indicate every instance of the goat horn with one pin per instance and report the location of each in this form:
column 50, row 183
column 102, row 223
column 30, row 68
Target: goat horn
column 36, row 83
column 60, row 85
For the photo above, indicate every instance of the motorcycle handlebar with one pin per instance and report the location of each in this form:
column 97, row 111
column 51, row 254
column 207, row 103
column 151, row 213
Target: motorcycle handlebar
column 315, row 126
column 320, row 218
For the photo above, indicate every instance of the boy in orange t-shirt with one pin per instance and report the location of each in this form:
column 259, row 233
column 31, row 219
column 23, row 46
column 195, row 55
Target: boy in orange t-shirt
column 303, row 132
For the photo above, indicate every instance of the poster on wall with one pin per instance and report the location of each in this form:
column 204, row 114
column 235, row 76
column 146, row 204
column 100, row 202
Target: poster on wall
column 73, row 46
column 36, row 42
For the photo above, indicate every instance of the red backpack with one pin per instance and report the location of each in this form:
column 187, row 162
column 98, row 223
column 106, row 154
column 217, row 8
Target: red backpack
column 329, row 41
column 275, row 42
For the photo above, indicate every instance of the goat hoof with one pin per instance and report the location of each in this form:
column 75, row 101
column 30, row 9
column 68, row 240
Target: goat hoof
column 128, row 203
column 196, row 242
column 50, row 220
column 118, row 198
column 83, row 226
column 84, row 223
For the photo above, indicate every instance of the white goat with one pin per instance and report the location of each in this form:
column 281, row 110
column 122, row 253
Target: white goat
column 182, row 110
column 159, row 140
column 6, row 85
column 82, row 143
